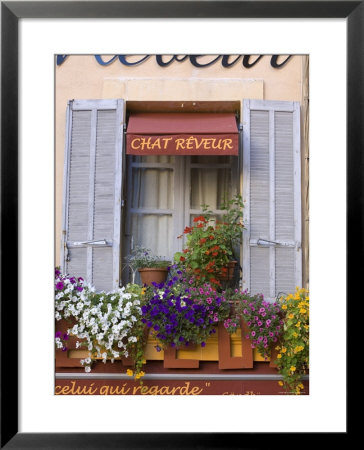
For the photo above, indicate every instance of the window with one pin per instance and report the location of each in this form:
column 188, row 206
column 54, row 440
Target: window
column 165, row 193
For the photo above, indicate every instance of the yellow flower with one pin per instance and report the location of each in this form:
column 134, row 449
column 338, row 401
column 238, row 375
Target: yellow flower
column 284, row 306
column 279, row 356
column 140, row 374
column 143, row 291
column 283, row 350
column 301, row 386
column 295, row 334
column 278, row 347
column 298, row 324
column 129, row 372
column 303, row 311
column 299, row 348
column 306, row 327
column 280, row 383
column 292, row 368
column 290, row 316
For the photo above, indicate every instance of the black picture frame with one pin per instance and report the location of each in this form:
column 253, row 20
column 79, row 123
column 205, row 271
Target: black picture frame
column 11, row 12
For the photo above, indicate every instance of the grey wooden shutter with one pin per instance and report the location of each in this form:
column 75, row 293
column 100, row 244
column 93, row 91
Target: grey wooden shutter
column 92, row 192
column 272, row 260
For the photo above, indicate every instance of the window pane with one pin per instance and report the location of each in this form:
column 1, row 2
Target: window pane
column 210, row 186
column 166, row 159
column 211, row 159
column 152, row 188
column 155, row 232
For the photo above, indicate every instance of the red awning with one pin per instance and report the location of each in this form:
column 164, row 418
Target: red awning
column 182, row 134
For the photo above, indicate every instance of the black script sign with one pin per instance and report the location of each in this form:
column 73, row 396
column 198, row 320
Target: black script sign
column 226, row 61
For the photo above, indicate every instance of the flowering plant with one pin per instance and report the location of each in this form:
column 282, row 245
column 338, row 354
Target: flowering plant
column 262, row 318
column 107, row 324
column 180, row 313
column 142, row 257
column 210, row 245
column 293, row 356
column 60, row 340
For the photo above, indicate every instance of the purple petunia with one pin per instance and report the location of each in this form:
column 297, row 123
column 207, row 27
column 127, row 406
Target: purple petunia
column 59, row 285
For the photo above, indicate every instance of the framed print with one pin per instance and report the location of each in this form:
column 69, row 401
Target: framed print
column 23, row 271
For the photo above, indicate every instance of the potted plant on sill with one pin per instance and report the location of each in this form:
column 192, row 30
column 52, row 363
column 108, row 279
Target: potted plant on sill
column 209, row 251
column 150, row 267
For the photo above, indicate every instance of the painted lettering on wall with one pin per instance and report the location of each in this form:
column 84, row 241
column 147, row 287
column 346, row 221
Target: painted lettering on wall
column 226, row 61
column 170, row 387
column 74, row 388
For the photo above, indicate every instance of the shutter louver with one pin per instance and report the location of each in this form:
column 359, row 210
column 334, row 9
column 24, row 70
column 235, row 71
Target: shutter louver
column 271, row 192
column 92, row 203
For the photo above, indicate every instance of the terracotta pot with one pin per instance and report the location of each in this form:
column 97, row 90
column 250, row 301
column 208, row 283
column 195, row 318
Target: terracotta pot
column 149, row 275
column 230, row 271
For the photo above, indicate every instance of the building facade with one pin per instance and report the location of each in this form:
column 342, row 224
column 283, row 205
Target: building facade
column 143, row 141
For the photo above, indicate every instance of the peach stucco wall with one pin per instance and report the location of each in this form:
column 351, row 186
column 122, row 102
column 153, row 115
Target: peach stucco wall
column 81, row 77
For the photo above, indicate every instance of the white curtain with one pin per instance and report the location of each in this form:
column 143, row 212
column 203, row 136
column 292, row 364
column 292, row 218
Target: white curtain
column 153, row 189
